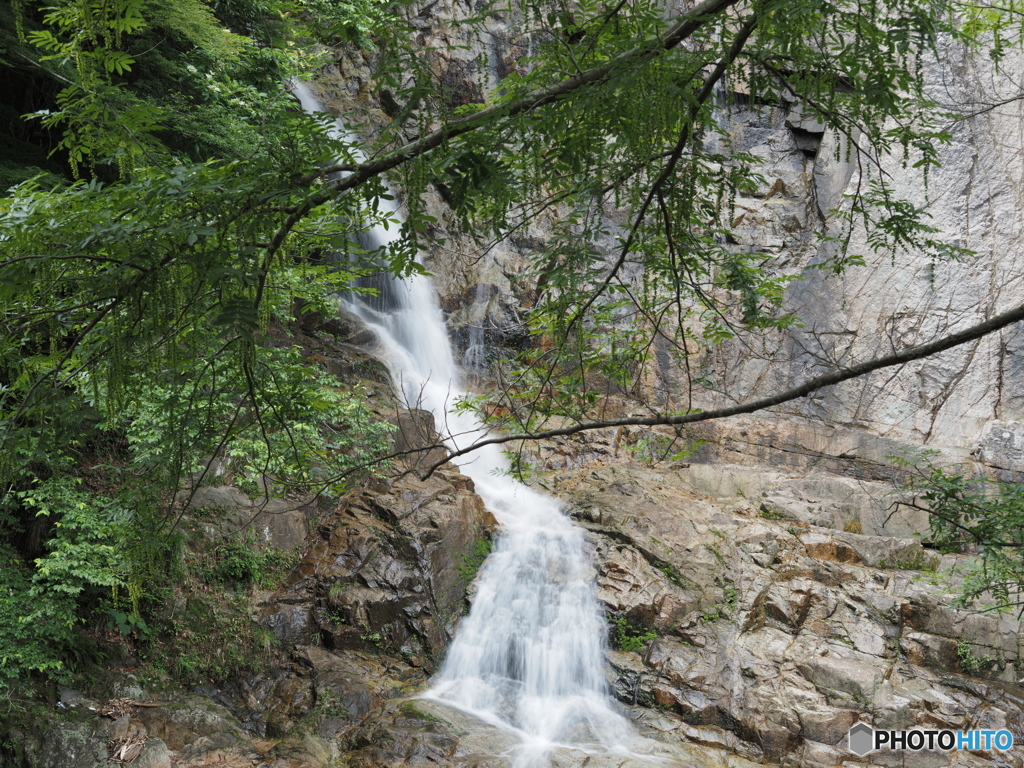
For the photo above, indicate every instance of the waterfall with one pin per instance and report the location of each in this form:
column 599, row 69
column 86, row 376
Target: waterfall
column 474, row 359
column 529, row 656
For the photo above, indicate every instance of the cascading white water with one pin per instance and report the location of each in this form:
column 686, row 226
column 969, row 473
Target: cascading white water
column 474, row 358
column 529, row 657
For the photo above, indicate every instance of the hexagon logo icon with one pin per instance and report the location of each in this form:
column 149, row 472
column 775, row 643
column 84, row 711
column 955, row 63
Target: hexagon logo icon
column 862, row 738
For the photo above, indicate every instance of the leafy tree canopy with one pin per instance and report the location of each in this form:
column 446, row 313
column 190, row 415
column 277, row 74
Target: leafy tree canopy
column 137, row 283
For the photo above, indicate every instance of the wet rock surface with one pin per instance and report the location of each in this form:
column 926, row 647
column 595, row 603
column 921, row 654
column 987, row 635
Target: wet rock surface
column 759, row 634
column 774, row 636
column 387, row 571
column 764, row 639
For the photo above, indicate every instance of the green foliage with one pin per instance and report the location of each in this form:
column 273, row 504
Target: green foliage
column 83, row 553
column 916, row 562
column 373, row 638
column 970, row 663
column 471, row 563
column 971, row 514
column 141, row 313
column 628, row 636
column 670, row 573
column 355, row 22
column 654, row 448
column 142, row 305
column 239, row 561
column 135, row 312
column 144, row 302
column 99, row 119
column 200, row 631
column 712, row 613
column 127, row 623
column 297, row 426
column 197, row 23
column 732, row 596
column 730, row 599
column 212, row 639
column 85, row 559
column 39, row 645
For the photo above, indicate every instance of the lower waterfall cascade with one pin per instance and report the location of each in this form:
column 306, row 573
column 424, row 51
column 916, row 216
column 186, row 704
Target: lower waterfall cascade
column 529, row 656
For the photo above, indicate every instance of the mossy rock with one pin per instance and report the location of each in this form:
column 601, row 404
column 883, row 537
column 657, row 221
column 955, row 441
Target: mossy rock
column 56, row 744
column 417, row 709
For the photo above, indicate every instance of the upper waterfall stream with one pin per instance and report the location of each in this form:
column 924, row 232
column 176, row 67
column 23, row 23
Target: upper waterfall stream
column 529, row 656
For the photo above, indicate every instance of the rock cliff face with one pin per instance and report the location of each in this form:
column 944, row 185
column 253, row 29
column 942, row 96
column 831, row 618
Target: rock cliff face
column 966, row 401
column 775, row 635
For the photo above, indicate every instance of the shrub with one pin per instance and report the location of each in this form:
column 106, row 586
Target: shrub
column 627, row 636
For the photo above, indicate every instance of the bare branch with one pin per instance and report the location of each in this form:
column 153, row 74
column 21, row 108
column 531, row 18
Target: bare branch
column 829, row 379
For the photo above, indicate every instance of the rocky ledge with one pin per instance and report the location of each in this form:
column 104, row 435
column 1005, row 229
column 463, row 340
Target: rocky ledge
column 769, row 636
column 747, row 628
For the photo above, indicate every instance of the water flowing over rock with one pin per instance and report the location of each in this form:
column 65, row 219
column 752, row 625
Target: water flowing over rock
column 528, row 658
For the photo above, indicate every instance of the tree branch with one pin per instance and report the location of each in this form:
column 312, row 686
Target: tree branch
column 676, row 34
column 829, row 379
column 677, row 152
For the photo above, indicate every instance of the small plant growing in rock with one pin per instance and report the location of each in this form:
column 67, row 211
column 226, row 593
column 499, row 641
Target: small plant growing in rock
column 769, row 513
column 335, row 616
column 974, row 515
column 328, row 705
column 693, row 718
column 654, row 448
column 970, row 663
column 241, row 562
column 374, row 638
column 919, row 561
column 671, row 574
column 627, row 636
column 732, row 597
column 712, row 614
column 714, row 551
